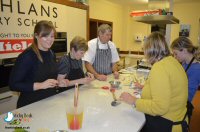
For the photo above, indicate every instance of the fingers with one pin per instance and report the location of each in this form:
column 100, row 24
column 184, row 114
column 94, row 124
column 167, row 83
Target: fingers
column 138, row 85
column 49, row 83
column 87, row 80
column 127, row 97
column 124, row 95
column 63, row 83
column 90, row 75
column 53, row 82
column 102, row 77
column 116, row 75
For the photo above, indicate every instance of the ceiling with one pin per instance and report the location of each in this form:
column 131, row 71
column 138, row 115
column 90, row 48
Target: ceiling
column 132, row 2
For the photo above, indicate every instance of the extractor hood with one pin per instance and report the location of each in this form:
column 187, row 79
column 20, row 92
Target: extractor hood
column 158, row 12
column 157, row 19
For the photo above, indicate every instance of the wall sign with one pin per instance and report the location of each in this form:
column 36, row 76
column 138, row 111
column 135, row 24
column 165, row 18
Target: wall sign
column 19, row 17
column 184, row 30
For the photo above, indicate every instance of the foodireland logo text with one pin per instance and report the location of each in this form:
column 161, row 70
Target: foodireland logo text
column 16, row 120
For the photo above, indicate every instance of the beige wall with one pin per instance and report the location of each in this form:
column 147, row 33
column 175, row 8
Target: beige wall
column 136, row 29
column 104, row 10
column 188, row 13
column 125, row 28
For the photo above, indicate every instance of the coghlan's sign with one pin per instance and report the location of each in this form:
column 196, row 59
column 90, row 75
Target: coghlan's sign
column 17, row 21
column 34, row 10
column 15, row 45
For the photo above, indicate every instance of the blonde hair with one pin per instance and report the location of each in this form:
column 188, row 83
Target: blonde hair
column 155, row 47
column 103, row 28
column 78, row 43
column 43, row 28
column 184, row 43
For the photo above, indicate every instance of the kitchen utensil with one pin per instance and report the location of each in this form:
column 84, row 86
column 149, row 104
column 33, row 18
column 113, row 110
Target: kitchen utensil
column 75, row 123
column 115, row 102
column 115, row 84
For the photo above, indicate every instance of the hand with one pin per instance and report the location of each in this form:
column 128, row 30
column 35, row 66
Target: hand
column 86, row 80
column 90, row 75
column 116, row 75
column 101, row 77
column 49, row 83
column 63, row 82
column 138, row 85
column 128, row 98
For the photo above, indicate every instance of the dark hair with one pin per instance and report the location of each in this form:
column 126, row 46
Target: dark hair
column 184, row 43
column 155, row 47
column 78, row 43
column 43, row 28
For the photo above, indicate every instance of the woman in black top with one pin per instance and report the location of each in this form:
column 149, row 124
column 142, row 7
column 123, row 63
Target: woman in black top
column 35, row 72
column 70, row 66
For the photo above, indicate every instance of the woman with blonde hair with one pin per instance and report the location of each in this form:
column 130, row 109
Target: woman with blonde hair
column 164, row 95
column 189, row 56
column 35, row 72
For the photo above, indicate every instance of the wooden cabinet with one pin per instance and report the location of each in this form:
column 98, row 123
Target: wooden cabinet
column 93, row 27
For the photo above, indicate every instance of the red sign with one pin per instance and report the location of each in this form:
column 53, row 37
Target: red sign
column 14, row 45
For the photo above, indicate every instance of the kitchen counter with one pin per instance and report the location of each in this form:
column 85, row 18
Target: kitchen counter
column 99, row 115
column 130, row 59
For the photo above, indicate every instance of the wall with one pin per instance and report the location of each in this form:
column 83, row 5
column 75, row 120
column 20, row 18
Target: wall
column 125, row 28
column 188, row 13
column 136, row 29
column 104, row 10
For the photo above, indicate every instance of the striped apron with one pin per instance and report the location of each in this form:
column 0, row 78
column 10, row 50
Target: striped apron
column 103, row 60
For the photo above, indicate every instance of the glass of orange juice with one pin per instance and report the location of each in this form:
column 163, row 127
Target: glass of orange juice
column 74, row 117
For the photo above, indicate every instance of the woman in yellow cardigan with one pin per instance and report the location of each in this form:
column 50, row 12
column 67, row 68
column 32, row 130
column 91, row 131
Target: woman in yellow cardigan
column 165, row 92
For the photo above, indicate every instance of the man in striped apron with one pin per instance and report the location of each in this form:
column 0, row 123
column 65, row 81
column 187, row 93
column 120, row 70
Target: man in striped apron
column 102, row 56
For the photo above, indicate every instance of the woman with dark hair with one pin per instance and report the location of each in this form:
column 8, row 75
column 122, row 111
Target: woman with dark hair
column 189, row 56
column 164, row 95
column 35, row 72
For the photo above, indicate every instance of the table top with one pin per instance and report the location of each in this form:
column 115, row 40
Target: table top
column 99, row 116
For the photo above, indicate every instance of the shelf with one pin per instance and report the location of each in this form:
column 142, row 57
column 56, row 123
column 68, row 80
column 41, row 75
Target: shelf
column 159, row 19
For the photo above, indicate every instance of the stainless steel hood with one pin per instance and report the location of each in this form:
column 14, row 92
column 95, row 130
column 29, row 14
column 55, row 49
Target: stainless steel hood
column 157, row 19
column 165, row 17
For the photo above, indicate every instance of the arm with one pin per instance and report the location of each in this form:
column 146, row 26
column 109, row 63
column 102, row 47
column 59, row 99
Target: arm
column 115, row 70
column 159, row 91
column 20, row 78
column 115, row 59
column 62, row 82
column 22, row 75
column 193, row 82
column 49, row 83
column 65, row 82
column 98, row 76
column 85, row 80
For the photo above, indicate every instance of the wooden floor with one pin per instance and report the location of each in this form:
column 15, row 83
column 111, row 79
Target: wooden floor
column 195, row 120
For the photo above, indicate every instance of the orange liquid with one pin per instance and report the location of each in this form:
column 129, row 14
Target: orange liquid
column 71, row 118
